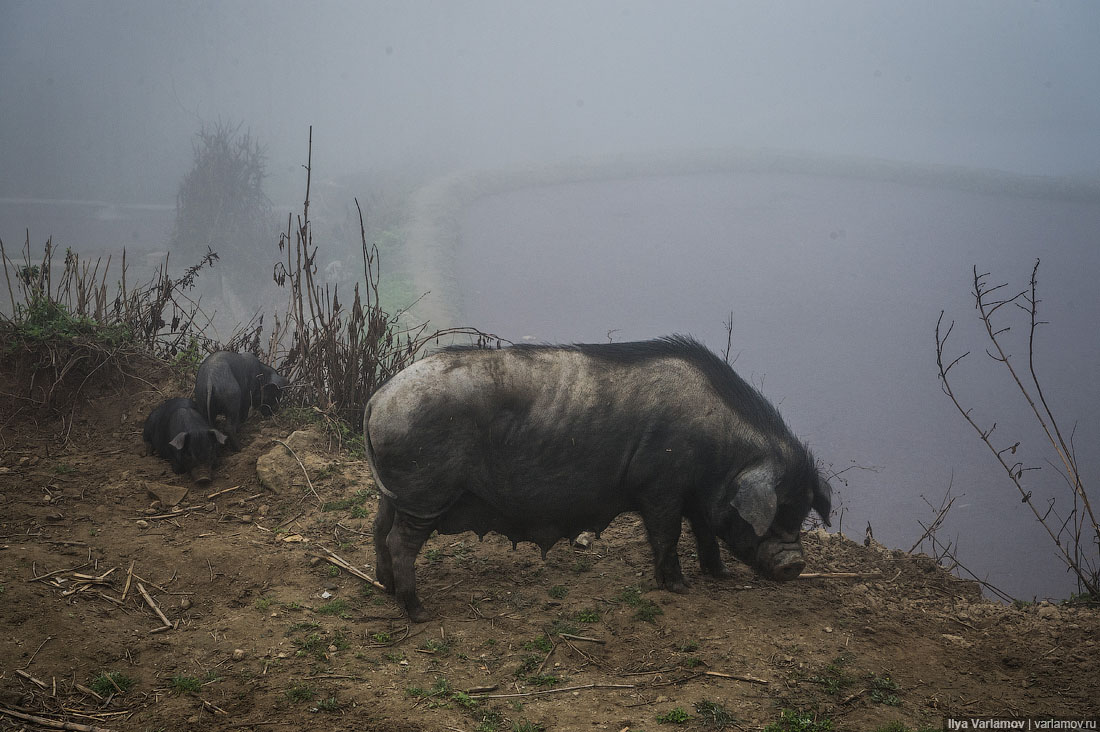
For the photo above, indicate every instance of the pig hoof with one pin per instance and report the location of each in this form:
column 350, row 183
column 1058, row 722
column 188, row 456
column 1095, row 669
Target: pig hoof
column 419, row 615
column 680, row 587
column 719, row 572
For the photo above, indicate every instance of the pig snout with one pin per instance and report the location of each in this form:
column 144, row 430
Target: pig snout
column 781, row 561
column 202, row 474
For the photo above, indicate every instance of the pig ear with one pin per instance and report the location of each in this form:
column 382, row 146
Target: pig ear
column 823, row 500
column 219, row 436
column 179, row 441
column 755, row 499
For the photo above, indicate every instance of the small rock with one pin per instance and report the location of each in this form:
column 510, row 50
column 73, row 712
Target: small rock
column 332, row 649
column 142, row 524
column 211, row 507
column 1049, row 612
column 263, row 509
column 238, row 654
column 185, row 603
column 246, row 518
column 828, row 629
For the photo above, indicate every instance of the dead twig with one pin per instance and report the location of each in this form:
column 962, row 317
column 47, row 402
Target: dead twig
column 221, row 492
column 52, row 723
column 303, row 467
column 839, row 575
column 153, row 605
column 345, row 565
column 561, row 690
column 174, row 514
column 28, row 677
column 36, row 650
column 586, row 639
column 735, row 677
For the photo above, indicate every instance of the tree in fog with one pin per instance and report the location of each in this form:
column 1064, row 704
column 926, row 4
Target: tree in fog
column 221, row 202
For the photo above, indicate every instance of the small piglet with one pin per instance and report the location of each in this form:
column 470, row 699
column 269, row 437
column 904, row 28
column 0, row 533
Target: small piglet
column 176, row 431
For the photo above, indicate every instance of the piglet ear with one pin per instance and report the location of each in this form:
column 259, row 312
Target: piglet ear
column 755, row 500
column 823, row 500
column 179, row 441
column 219, row 436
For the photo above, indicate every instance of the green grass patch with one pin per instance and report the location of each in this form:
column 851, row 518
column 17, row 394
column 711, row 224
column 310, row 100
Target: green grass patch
column 712, row 714
column 185, row 685
column 884, row 691
column 528, row 664
column 645, row 610
column 676, row 715
column 588, row 615
column 337, row 606
column 792, row 721
column 834, row 678
column 111, row 682
column 301, row 693
column 542, row 643
column 437, row 647
column 264, row 603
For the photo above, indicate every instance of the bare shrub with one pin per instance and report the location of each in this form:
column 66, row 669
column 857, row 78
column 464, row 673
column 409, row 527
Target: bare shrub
column 69, row 325
column 338, row 356
column 1074, row 532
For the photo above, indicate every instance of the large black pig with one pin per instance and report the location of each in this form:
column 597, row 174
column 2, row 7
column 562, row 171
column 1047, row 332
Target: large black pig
column 232, row 383
column 177, row 432
column 543, row 442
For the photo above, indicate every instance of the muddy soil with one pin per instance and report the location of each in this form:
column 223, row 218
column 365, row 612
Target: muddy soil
column 266, row 633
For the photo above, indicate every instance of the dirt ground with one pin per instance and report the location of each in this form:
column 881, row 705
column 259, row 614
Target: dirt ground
column 266, row 634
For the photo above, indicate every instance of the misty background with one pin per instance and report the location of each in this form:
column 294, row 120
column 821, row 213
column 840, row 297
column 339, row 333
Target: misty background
column 100, row 99
column 835, row 281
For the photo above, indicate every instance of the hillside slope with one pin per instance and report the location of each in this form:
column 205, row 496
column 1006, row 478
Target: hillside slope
column 265, row 635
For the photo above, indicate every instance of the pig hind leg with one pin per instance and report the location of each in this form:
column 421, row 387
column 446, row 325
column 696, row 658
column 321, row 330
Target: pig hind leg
column 406, row 536
column 383, row 561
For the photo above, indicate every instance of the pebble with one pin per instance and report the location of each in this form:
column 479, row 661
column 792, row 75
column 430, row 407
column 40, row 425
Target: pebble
column 142, row 524
column 185, row 603
column 238, row 654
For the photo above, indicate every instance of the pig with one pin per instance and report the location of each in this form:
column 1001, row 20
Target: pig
column 230, row 384
column 176, row 431
column 541, row 443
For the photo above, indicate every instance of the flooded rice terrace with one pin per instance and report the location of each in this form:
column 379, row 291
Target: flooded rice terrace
column 835, row 285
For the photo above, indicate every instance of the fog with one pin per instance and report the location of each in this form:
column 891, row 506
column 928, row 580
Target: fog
column 100, row 99
column 835, row 286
